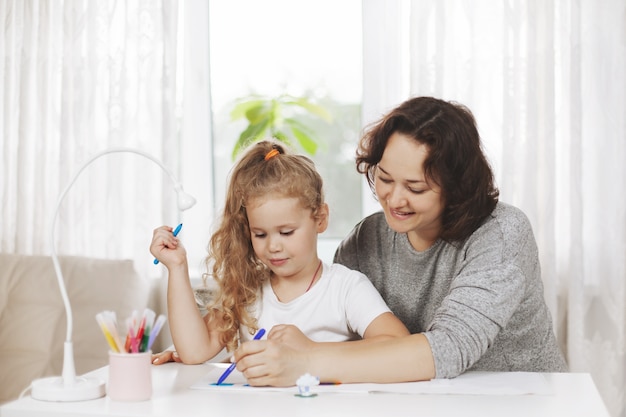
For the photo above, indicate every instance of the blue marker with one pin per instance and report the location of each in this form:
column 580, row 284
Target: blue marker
column 232, row 366
column 175, row 232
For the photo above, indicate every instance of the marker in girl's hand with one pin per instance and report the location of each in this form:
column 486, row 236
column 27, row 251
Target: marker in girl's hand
column 232, row 366
column 175, row 232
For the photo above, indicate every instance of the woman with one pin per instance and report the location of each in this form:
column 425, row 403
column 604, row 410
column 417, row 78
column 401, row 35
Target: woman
column 457, row 266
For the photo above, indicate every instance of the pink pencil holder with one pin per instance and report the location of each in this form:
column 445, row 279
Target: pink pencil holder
column 130, row 376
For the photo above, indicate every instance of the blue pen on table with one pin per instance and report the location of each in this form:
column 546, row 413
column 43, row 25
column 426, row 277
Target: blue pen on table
column 175, row 232
column 232, row 366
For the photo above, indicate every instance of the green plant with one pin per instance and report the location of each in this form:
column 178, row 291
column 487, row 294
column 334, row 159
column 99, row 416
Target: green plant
column 283, row 117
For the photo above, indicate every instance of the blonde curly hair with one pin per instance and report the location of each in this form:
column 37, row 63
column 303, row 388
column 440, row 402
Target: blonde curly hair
column 231, row 258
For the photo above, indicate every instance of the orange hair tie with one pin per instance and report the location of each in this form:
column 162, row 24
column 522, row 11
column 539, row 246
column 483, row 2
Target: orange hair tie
column 271, row 153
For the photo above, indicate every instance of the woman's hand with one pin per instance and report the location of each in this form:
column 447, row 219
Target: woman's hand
column 267, row 362
column 277, row 361
column 164, row 357
column 291, row 336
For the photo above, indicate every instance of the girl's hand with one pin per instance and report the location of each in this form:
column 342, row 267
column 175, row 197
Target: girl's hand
column 290, row 335
column 165, row 356
column 167, row 248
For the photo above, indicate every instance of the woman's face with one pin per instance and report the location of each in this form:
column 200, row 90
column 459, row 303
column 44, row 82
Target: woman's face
column 411, row 205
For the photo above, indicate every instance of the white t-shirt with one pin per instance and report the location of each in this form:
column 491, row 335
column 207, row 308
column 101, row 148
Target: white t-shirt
column 339, row 307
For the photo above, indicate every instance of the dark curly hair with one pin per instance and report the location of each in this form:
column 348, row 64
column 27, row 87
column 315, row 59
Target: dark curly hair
column 455, row 162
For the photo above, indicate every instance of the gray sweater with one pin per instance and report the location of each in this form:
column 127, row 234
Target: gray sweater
column 479, row 302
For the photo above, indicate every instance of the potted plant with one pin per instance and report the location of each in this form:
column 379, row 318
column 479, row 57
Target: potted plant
column 284, row 118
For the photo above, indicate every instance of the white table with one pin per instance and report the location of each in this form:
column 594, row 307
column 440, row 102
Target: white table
column 570, row 394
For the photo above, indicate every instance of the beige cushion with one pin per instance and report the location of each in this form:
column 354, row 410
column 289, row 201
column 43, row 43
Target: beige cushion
column 33, row 319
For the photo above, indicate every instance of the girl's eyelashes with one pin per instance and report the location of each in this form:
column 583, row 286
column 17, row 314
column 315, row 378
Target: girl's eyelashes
column 283, row 233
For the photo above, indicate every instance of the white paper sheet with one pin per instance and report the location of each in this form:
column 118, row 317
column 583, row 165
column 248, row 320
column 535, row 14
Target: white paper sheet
column 469, row 383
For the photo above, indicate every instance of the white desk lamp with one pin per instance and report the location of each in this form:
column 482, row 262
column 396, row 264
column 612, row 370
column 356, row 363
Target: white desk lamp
column 69, row 387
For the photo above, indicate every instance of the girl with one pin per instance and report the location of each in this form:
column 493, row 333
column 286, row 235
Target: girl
column 264, row 258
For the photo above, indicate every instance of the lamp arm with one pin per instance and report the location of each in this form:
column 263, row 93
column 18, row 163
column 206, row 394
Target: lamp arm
column 55, row 260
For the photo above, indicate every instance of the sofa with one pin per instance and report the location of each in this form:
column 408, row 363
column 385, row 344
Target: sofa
column 33, row 318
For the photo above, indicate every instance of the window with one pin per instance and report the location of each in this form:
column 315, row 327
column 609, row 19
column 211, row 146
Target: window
column 311, row 49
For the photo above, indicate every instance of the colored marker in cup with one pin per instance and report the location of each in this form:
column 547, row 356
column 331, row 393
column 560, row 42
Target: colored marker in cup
column 175, row 233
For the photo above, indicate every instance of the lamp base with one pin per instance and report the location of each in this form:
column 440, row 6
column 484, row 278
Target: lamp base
column 55, row 389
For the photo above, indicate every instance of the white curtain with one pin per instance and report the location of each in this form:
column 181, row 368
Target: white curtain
column 546, row 80
column 78, row 77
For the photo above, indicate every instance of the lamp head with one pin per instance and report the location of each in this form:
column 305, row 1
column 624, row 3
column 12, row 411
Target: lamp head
column 185, row 201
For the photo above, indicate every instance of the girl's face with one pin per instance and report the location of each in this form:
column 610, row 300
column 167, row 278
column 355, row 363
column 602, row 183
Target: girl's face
column 284, row 236
column 411, row 205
